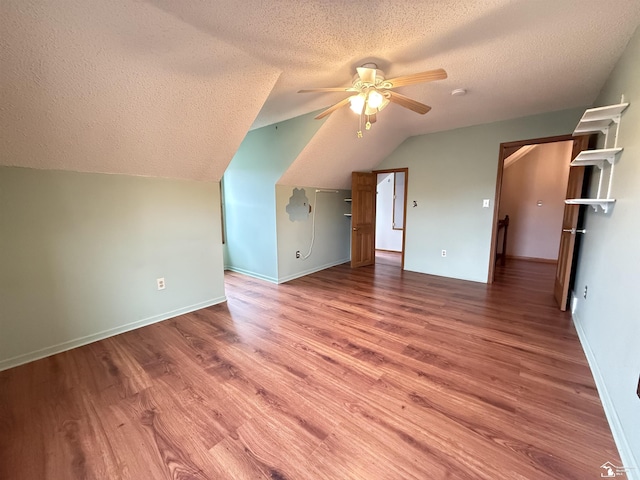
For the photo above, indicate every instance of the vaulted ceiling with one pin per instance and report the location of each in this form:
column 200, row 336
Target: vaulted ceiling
column 170, row 88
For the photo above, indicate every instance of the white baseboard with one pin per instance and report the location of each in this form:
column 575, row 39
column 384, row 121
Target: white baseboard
column 626, row 454
column 311, row 270
column 78, row 342
column 251, row 274
column 288, row 277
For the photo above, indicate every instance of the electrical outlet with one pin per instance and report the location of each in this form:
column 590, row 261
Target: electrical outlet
column 444, row 253
column 486, row 203
column 161, row 284
column 297, row 253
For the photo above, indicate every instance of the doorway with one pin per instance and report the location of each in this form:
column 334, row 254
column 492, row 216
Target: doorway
column 531, row 218
column 534, row 186
column 391, row 204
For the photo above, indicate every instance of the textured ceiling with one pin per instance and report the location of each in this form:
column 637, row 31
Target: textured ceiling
column 335, row 150
column 122, row 87
column 170, row 88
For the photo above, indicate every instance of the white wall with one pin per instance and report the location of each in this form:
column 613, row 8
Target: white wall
column 539, row 175
column 332, row 233
column 609, row 264
column 386, row 237
column 449, row 175
column 80, row 254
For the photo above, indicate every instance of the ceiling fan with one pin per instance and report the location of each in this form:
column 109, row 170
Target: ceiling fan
column 371, row 92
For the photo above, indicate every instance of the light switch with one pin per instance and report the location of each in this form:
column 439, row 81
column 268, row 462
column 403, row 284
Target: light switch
column 486, row 202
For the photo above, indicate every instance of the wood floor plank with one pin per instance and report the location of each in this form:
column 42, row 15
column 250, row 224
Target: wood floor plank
column 346, row 373
column 232, row 460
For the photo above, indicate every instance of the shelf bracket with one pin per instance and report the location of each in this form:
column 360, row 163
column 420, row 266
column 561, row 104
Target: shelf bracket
column 600, row 120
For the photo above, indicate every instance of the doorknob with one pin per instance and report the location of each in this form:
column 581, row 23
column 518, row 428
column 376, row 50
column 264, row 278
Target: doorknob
column 573, row 231
column 355, row 229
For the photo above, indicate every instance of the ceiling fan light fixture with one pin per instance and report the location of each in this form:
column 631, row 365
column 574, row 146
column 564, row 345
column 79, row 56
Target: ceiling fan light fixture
column 370, row 92
column 372, row 102
column 375, row 99
column 357, row 102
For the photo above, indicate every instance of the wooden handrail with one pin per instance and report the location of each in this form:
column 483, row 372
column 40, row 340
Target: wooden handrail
column 502, row 256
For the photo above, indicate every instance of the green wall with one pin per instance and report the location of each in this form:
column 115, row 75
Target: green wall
column 332, row 233
column 450, row 173
column 609, row 264
column 250, row 196
column 80, row 254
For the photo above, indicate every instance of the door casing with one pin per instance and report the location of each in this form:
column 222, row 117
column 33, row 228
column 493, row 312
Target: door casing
column 363, row 219
column 404, row 218
column 507, row 149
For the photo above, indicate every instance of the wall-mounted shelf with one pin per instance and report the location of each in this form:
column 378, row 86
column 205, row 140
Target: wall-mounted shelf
column 593, row 202
column 347, row 200
column 597, row 157
column 599, row 120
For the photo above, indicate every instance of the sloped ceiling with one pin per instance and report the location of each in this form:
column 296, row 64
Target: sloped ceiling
column 519, row 154
column 335, row 151
column 170, row 88
column 122, row 87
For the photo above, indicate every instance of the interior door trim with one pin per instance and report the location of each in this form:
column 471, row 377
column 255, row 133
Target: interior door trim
column 404, row 216
column 506, row 149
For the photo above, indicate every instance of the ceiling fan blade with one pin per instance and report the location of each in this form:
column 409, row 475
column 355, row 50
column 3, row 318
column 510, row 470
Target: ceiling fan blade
column 331, row 89
column 333, row 108
column 430, row 76
column 409, row 103
column 367, row 75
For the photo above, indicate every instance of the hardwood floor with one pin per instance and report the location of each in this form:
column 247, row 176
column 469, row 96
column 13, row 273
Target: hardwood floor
column 372, row 373
column 385, row 257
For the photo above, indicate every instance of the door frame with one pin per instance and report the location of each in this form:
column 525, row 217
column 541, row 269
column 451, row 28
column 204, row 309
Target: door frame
column 404, row 215
column 505, row 151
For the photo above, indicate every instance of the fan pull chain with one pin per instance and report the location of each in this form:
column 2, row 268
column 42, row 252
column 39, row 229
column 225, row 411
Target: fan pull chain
column 362, row 114
column 364, row 110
